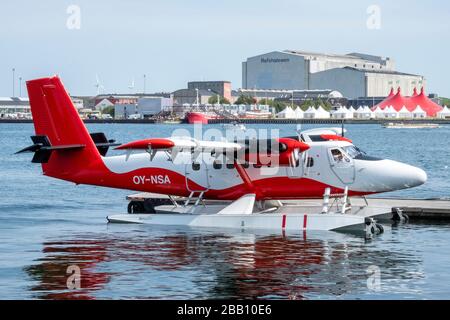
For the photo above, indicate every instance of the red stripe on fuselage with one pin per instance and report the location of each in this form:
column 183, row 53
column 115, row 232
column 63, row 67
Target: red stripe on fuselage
column 164, row 181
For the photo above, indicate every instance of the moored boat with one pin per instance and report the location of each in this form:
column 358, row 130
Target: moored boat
column 402, row 125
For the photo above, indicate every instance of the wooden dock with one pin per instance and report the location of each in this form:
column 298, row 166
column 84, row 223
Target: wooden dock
column 416, row 209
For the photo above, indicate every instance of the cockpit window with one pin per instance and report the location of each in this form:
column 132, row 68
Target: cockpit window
column 353, row 152
column 356, row 153
column 337, row 155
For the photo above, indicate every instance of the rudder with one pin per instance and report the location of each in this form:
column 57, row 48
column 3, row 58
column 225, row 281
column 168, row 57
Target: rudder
column 55, row 116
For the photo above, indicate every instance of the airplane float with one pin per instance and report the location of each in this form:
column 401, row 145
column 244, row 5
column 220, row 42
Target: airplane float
column 315, row 163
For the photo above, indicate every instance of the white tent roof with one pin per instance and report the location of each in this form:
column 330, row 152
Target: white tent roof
column 363, row 110
column 418, row 109
column 342, row 110
column 287, row 110
column 378, row 110
column 445, row 110
column 351, row 109
column 287, row 113
column 311, row 110
column 321, row 110
column 298, row 110
column 403, row 110
column 390, row 109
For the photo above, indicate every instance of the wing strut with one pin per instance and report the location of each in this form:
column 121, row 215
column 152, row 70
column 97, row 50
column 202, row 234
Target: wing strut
column 246, row 179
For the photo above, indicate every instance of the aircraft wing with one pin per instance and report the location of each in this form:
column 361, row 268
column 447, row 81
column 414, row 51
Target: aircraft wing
column 174, row 145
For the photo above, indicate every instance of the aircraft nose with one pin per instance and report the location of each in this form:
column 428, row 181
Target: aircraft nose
column 405, row 176
column 420, row 177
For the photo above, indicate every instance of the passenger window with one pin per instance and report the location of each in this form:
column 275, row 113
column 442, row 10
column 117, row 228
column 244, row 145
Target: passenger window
column 230, row 165
column 195, row 166
column 217, row 165
column 310, row 162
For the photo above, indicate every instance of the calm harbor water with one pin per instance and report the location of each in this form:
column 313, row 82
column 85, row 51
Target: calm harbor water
column 48, row 225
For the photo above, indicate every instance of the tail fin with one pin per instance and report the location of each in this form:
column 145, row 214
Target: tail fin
column 55, row 117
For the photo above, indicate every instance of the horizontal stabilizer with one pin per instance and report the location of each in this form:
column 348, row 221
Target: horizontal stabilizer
column 43, row 149
column 102, row 143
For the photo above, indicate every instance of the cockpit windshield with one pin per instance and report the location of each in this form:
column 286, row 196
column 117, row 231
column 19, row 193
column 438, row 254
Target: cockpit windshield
column 354, row 152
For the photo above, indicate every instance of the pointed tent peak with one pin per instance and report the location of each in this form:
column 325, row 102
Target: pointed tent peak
column 404, row 110
column 414, row 92
column 377, row 109
column 399, row 91
column 341, row 109
column 390, row 109
column 391, row 93
column 320, row 108
column 422, row 91
column 298, row 111
column 418, row 109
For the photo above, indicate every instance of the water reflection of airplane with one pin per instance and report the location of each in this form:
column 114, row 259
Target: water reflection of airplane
column 241, row 265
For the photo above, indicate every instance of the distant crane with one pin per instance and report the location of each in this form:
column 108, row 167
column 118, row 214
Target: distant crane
column 98, row 85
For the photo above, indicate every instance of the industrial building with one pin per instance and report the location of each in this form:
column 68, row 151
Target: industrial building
column 222, row 88
column 145, row 107
column 14, row 107
column 295, row 96
column 102, row 101
column 354, row 75
column 192, row 96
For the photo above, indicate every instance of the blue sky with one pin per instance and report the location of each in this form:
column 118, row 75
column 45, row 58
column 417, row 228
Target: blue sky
column 174, row 41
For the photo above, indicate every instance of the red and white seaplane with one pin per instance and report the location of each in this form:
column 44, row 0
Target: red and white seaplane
column 250, row 183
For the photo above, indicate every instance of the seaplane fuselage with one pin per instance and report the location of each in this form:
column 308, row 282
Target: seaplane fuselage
column 307, row 164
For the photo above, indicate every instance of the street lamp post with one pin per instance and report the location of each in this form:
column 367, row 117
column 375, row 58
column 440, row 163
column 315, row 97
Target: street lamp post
column 292, row 99
column 13, row 81
column 145, row 78
column 20, row 86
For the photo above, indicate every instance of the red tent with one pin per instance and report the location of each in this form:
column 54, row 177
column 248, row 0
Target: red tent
column 391, row 94
column 428, row 105
column 398, row 101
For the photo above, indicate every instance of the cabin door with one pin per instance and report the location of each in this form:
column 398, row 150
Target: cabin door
column 196, row 174
column 296, row 167
column 342, row 165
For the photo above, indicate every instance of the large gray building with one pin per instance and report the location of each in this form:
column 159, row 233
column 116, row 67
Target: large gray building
column 354, row 75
